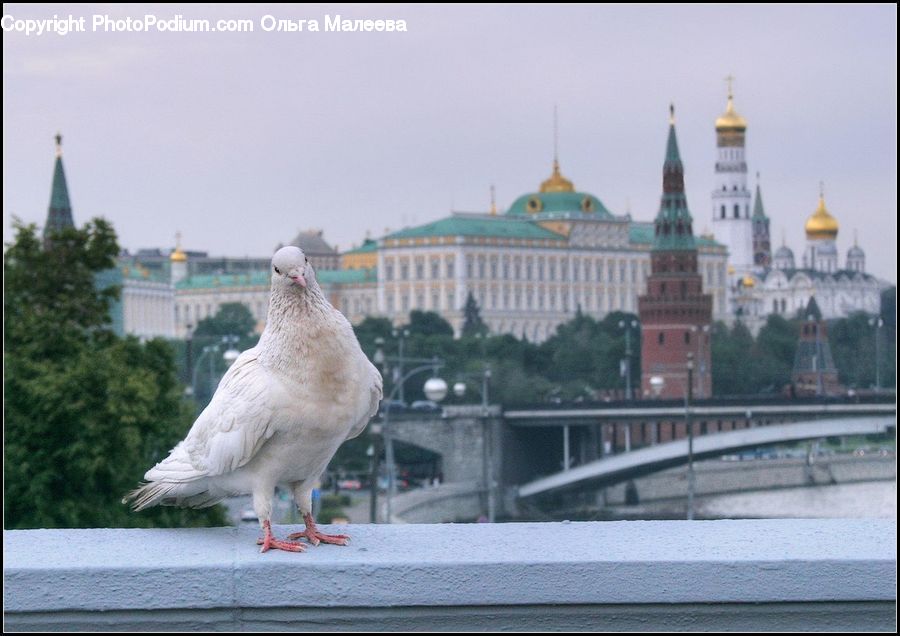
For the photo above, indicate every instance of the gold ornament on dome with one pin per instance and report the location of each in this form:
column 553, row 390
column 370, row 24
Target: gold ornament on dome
column 730, row 119
column 821, row 225
column 557, row 182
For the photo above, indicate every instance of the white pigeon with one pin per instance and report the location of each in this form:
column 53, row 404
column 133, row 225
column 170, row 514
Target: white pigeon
column 279, row 413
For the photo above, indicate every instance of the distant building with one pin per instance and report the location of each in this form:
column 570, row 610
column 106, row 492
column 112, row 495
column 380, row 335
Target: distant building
column 785, row 289
column 675, row 313
column 814, row 371
column 317, row 250
column 760, row 284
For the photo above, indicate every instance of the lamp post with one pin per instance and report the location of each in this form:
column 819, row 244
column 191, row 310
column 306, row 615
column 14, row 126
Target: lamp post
column 701, row 334
column 230, row 355
column 436, row 390
column 189, row 353
column 401, row 335
column 877, row 323
column 628, row 325
column 657, row 383
column 378, row 359
column 688, row 395
column 487, row 454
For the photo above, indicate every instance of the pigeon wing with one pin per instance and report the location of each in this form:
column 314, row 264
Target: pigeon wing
column 375, row 393
column 239, row 419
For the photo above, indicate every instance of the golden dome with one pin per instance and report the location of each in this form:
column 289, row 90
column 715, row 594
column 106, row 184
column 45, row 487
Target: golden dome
column 178, row 255
column 748, row 281
column 730, row 120
column 557, row 182
column 821, row 225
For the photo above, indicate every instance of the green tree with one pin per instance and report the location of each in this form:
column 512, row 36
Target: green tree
column 773, row 354
column 732, row 373
column 428, row 323
column 473, row 323
column 232, row 319
column 86, row 413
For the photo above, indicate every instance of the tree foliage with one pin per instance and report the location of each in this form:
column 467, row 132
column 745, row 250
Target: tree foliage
column 472, row 322
column 232, row 319
column 86, row 412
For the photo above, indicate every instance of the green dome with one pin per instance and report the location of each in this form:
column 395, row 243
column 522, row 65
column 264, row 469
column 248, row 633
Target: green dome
column 556, row 205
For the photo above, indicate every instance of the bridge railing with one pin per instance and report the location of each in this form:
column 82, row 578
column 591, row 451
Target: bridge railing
column 754, row 575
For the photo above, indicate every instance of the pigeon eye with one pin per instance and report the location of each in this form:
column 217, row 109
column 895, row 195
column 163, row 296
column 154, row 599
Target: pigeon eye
column 277, row 271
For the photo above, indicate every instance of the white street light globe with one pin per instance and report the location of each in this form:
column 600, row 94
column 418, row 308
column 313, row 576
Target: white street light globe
column 656, row 384
column 459, row 389
column 435, row 389
column 231, row 355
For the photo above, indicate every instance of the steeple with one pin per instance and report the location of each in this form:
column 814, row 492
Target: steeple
column 673, row 222
column 762, row 245
column 59, row 214
column 758, row 211
column 556, row 182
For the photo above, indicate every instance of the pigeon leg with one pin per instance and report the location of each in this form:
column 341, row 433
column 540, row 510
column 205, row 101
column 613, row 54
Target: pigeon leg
column 269, row 541
column 313, row 535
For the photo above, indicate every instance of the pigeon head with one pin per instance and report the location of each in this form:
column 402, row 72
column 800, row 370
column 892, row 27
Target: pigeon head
column 291, row 268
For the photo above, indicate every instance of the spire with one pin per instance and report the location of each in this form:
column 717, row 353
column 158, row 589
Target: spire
column 493, row 200
column 758, row 211
column 672, row 154
column 673, row 222
column 59, row 214
column 556, row 182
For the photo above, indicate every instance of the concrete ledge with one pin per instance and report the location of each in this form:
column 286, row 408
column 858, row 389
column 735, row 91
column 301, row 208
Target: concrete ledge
column 716, row 575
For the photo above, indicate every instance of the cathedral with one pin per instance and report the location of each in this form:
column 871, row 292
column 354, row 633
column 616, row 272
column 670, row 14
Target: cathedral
column 761, row 283
column 530, row 268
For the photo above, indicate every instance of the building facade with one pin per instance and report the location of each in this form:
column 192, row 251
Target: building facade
column 675, row 313
column 530, row 269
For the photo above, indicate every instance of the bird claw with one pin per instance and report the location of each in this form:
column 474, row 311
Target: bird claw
column 268, row 542
column 315, row 537
column 273, row 543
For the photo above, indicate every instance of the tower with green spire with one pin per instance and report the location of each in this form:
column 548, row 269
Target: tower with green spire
column 59, row 214
column 675, row 313
column 762, row 244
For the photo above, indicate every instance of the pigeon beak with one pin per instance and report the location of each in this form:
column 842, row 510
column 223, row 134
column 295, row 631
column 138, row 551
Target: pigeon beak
column 299, row 279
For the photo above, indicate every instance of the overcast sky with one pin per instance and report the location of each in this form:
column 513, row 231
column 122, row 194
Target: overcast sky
column 239, row 140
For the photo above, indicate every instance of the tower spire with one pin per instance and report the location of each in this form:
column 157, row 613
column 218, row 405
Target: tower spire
column 59, row 213
column 673, row 222
column 493, row 200
column 555, row 138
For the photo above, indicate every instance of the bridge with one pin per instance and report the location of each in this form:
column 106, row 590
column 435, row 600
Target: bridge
column 525, row 451
column 603, row 472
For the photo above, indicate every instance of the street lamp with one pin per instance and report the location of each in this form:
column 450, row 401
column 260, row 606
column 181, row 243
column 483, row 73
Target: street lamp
column 230, row 355
column 877, row 323
column 657, row 384
column 487, row 455
column 435, row 389
column 688, row 395
column 401, row 335
column 628, row 325
column 701, row 334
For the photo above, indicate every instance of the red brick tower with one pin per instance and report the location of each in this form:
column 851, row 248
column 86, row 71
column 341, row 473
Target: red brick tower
column 675, row 313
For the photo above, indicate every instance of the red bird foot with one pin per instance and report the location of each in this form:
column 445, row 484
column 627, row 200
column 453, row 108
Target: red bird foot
column 315, row 537
column 270, row 542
